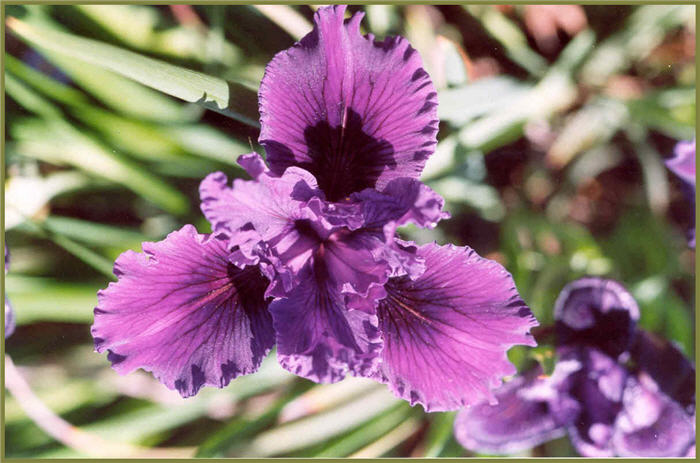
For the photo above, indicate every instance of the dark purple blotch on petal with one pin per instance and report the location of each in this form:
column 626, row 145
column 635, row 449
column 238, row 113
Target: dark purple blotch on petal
column 181, row 310
column 598, row 313
column 673, row 373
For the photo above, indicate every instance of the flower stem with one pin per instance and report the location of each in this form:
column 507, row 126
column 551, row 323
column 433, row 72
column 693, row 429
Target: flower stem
column 72, row 436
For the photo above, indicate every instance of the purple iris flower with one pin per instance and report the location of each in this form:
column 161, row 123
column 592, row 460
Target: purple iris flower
column 682, row 163
column 305, row 255
column 9, row 313
column 616, row 390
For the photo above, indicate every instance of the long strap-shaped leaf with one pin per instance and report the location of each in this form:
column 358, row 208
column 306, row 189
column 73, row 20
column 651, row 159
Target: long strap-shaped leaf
column 229, row 98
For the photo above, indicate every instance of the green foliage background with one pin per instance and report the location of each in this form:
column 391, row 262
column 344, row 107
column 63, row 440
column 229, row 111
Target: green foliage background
column 550, row 158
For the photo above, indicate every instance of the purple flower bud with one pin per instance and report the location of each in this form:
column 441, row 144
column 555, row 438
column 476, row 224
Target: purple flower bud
column 596, row 312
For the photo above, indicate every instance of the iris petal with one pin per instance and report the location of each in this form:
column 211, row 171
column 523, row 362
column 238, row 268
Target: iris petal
column 673, row 372
column 353, row 111
column 285, row 224
column 515, row 424
column 598, row 387
column 267, row 205
column 182, row 311
column 651, row 424
column 318, row 338
column 683, row 162
column 401, row 201
column 447, row 332
column 9, row 319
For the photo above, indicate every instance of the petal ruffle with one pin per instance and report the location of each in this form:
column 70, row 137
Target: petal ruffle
column 651, row 424
column 268, row 205
column 403, row 200
column 351, row 263
column 447, row 332
column 596, row 312
column 318, row 338
column 266, row 218
column 353, row 111
column 183, row 312
column 515, row 424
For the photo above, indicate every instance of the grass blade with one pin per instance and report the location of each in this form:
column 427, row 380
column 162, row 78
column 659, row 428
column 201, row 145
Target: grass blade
column 229, row 98
column 43, row 299
column 367, row 433
column 287, row 18
column 137, row 26
column 439, row 434
column 88, row 256
column 94, row 233
column 58, row 142
column 317, row 428
column 43, row 83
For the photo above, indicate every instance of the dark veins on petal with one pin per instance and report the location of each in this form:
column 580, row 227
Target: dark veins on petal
column 317, row 337
column 183, row 312
column 446, row 333
column 249, row 286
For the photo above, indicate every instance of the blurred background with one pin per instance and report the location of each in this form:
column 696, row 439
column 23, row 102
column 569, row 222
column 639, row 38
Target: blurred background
column 555, row 123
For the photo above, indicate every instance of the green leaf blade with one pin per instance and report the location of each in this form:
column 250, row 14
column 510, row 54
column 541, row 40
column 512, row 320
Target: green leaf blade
column 229, row 98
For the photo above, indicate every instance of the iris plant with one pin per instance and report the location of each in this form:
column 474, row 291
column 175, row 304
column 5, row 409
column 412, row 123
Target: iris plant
column 615, row 389
column 305, row 255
